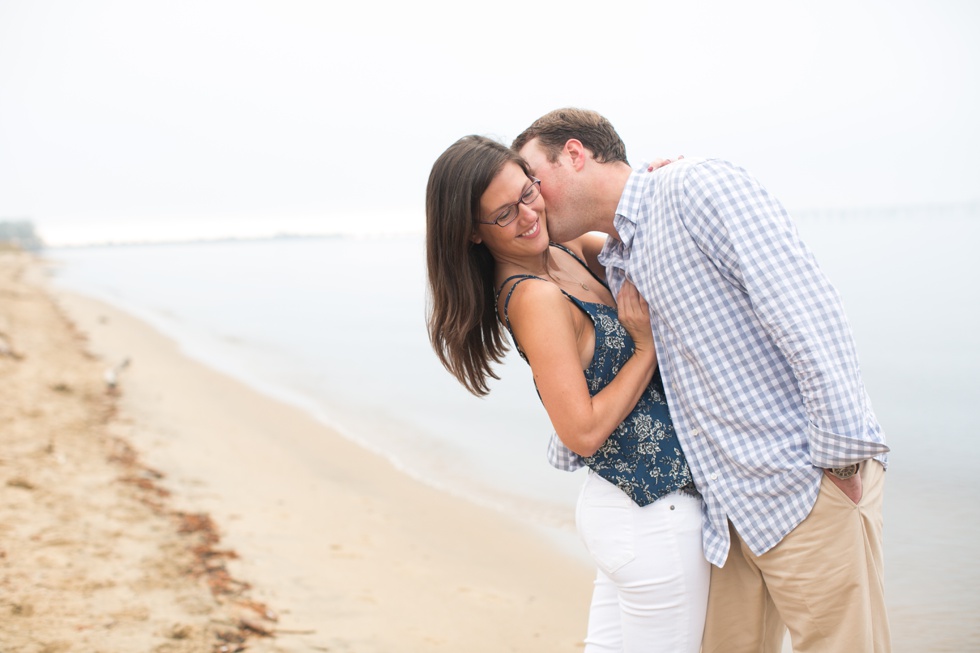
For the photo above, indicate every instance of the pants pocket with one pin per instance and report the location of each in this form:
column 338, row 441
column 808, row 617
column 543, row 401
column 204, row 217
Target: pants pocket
column 835, row 494
column 604, row 518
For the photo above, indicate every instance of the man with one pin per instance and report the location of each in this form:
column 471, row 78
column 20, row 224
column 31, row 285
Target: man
column 762, row 379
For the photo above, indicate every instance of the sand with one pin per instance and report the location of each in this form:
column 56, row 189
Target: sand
column 92, row 554
column 184, row 511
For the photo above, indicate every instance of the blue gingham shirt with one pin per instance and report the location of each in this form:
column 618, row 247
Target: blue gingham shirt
column 757, row 358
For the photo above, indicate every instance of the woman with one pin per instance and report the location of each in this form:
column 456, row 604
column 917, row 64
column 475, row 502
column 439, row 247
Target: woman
column 490, row 266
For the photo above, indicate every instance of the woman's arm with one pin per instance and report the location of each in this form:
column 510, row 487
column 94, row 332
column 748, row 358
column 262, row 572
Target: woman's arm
column 554, row 334
column 588, row 247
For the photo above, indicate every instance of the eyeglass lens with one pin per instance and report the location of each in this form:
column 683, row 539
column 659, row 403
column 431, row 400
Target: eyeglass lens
column 530, row 194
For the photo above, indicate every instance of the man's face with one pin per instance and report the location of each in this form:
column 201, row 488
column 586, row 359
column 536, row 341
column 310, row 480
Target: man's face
column 546, row 171
column 556, row 191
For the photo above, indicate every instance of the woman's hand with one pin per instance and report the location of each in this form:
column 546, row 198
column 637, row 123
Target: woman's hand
column 634, row 314
column 660, row 163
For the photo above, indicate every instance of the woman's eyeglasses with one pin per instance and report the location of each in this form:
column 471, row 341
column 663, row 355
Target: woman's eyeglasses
column 509, row 213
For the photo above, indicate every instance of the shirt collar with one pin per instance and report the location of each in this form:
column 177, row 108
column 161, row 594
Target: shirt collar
column 630, row 206
column 616, row 251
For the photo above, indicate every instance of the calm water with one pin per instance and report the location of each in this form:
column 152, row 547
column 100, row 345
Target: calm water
column 337, row 326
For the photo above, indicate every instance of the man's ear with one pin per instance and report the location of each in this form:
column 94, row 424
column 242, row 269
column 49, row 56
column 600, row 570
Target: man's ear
column 577, row 153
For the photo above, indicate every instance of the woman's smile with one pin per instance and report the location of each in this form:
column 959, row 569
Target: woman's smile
column 533, row 231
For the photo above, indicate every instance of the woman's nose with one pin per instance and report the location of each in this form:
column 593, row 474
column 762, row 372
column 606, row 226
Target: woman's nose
column 526, row 211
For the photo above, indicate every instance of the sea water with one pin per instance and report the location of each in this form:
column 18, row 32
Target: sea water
column 336, row 326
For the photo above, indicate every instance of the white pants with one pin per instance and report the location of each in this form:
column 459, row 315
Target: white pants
column 651, row 591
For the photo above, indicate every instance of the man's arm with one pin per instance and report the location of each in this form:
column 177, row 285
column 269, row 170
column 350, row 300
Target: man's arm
column 750, row 238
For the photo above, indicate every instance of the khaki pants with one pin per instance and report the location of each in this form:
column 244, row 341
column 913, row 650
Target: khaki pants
column 823, row 581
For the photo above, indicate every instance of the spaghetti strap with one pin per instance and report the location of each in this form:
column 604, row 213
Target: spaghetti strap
column 581, row 262
column 520, row 279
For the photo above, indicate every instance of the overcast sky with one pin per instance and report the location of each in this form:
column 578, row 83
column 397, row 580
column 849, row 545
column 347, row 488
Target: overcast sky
column 207, row 117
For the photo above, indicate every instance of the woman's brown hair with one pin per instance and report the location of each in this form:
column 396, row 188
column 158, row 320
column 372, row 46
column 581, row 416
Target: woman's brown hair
column 462, row 319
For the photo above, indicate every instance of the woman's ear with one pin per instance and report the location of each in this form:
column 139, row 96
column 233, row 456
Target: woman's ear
column 475, row 238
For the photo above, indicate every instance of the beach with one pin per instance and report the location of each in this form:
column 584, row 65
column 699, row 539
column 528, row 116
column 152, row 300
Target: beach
column 110, row 497
column 372, row 504
column 92, row 555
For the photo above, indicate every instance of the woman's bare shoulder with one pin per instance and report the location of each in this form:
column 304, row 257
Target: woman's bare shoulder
column 534, row 298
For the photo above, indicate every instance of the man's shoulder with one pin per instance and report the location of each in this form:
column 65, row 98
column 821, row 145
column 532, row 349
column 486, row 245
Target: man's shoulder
column 708, row 177
column 670, row 189
column 671, row 176
column 684, row 168
column 644, row 187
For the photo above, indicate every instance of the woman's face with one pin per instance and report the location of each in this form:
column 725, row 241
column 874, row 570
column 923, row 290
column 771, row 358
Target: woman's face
column 528, row 232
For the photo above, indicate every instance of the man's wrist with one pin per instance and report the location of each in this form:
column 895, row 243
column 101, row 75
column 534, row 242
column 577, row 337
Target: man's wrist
column 845, row 472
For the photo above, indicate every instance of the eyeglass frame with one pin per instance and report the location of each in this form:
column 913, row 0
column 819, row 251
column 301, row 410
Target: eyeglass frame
column 516, row 205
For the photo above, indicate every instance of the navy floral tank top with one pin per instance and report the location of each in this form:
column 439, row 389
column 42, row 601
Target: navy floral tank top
column 643, row 456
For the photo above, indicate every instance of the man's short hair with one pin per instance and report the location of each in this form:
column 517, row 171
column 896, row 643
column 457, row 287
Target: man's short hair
column 554, row 129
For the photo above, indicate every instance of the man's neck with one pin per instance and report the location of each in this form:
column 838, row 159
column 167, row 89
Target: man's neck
column 610, row 189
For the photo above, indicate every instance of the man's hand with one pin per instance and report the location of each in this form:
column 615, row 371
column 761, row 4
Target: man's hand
column 851, row 487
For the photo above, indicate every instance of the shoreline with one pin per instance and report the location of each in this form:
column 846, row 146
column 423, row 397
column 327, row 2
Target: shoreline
column 93, row 553
column 287, row 345
column 930, row 608
column 350, row 552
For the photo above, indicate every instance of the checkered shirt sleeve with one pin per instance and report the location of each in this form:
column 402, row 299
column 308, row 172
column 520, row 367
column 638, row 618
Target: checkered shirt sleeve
column 561, row 457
